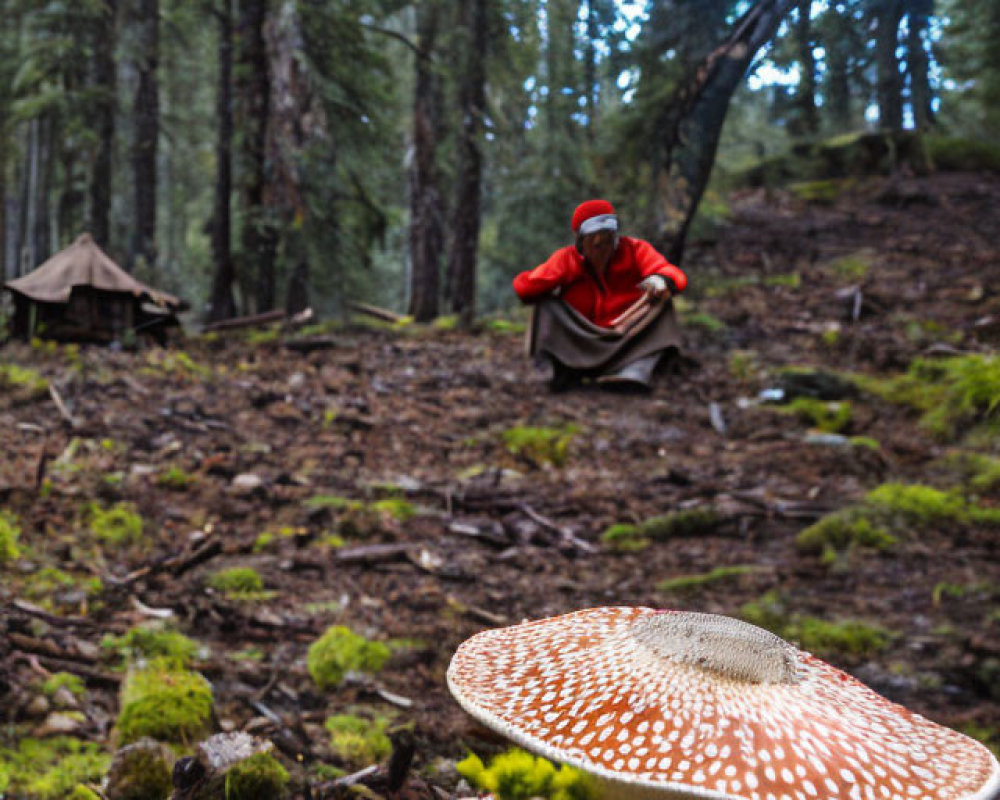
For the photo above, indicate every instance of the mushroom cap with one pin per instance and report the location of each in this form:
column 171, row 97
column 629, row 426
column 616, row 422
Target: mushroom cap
column 679, row 704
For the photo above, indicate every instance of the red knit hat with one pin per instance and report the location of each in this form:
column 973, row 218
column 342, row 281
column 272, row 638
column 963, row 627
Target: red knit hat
column 589, row 209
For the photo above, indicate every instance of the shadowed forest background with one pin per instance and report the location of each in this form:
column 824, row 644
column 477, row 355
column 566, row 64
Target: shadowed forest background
column 285, row 529
column 258, row 154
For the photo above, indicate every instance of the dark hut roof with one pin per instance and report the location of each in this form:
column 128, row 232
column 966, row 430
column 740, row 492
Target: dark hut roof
column 85, row 264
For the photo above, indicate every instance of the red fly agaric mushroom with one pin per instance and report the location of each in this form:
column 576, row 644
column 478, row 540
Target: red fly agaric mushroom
column 677, row 704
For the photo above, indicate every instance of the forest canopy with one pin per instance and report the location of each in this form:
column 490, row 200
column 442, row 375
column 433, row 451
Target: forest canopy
column 257, row 154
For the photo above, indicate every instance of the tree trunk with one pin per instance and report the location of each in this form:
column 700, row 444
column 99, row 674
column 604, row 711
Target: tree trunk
column 807, row 118
column 147, row 133
column 590, row 69
column 889, row 91
column 837, row 83
column 426, row 204
column 468, row 181
column 221, row 302
column 105, row 79
column 918, row 63
column 697, row 112
column 259, row 234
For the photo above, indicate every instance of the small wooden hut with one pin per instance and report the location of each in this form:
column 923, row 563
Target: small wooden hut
column 81, row 294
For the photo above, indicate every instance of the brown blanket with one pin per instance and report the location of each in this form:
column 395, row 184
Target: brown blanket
column 560, row 332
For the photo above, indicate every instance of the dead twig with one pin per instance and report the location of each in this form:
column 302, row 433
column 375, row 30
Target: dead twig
column 566, row 536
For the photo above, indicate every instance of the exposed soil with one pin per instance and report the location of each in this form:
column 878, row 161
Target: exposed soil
column 497, row 537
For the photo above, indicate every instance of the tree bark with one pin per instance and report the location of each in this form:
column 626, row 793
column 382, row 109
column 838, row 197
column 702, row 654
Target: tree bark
column 889, row 90
column 697, row 112
column 426, row 232
column 837, row 83
column 468, row 181
column 105, row 79
column 147, row 133
column 918, row 63
column 259, row 235
column 807, row 118
column 221, row 303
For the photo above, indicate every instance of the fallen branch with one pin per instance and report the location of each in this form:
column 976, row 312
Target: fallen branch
column 264, row 318
column 53, row 619
column 374, row 311
column 61, row 406
column 566, row 536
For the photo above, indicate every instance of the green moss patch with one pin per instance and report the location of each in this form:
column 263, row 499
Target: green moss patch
column 517, row 775
column 259, row 777
column 165, row 703
column 975, row 471
column 679, row 524
column 50, row 769
column 176, row 478
column 237, row 582
column 10, row 530
column 22, row 384
column 830, row 417
column 118, row 526
column 952, row 393
column 689, row 583
column 340, row 651
column 844, row 637
column 358, row 741
column 842, row 531
column 963, row 155
column 540, row 446
column 152, row 642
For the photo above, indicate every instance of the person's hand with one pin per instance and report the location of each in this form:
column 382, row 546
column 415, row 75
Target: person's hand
column 655, row 286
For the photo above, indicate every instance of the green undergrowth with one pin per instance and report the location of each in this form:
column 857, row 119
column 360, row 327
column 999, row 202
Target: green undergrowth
column 117, row 526
column 540, row 446
column 358, row 519
column 22, row 383
column 174, row 363
column 704, row 320
column 823, row 192
column 63, row 681
column 843, row 638
column 239, row 583
column 965, row 155
column 827, row 416
column 888, row 514
column 10, row 531
column 517, row 775
column 690, row 583
column 357, row 740
column 976, row 472
column 952, row 394
column 152, row 642
column 176, row 478
column 625, row 537
column 57, row 590
column 55, row 768
column 339, row 651
column 259, row 777
column 166, row 703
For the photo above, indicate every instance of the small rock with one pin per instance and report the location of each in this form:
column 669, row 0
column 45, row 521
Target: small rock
column 61, row 723
column 247, row 483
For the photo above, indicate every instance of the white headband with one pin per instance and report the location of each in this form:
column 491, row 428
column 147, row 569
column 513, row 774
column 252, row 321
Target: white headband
column 602, row 222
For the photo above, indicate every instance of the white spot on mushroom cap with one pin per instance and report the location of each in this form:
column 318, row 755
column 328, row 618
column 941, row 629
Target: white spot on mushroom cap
column 803, row 729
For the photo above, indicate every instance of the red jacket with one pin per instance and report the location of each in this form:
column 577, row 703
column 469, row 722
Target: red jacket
column 600, row 299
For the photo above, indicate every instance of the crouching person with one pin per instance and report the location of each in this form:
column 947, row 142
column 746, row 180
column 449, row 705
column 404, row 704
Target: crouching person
column 602, row 306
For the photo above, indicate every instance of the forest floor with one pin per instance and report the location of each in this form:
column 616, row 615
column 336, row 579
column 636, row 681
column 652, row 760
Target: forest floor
column 238, row 451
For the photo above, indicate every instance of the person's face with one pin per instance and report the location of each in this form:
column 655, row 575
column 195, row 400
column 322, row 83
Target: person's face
column 598, row 248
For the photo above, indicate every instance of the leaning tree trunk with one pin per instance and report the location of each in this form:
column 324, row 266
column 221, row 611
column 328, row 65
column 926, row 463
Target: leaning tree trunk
column 426, row 203
column 105, row 80
column 889, row 91
column 807, row 122
column 468, row 181
column 147, row 134
column 694, row 122
column 221, row 303
column 918, row 63
column 259, row 237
